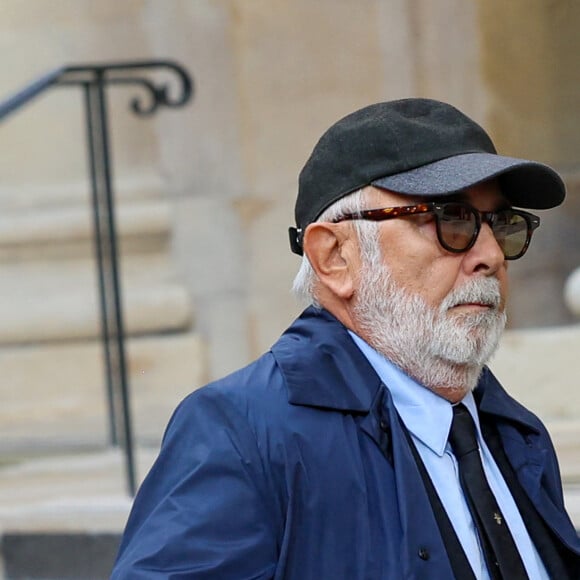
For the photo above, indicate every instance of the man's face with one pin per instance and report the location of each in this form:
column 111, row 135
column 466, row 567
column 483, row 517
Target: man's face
column 437, row 314
column 421, row 266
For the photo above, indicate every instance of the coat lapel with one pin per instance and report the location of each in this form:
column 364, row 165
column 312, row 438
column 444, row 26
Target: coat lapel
column 323, row 367
column 529, row 450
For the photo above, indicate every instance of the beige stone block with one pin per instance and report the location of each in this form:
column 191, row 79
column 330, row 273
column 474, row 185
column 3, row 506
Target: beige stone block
column 445, row 54
column 130, row 187
column 54, row 395
column 44, row 142
column 540, row 367
column 44, row 301
column 300, row 66
column 532, row 77
column 77, row 493
column 68, row 231
column 211, row 257
column 199, row 147
column 273, row 267
column 226, row 330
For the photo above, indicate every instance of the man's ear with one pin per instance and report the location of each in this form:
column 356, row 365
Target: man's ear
column 331, row 251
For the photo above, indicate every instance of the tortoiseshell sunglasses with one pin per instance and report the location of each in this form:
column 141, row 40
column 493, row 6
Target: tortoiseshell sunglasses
column 458, row 224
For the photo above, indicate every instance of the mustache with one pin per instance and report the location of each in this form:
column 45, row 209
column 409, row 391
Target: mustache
column 478, row 290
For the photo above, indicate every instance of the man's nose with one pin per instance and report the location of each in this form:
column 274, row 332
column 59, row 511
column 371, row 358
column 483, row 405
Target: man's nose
column 486, row 255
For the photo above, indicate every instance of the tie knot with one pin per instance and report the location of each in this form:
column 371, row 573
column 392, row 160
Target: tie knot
column 462, row 437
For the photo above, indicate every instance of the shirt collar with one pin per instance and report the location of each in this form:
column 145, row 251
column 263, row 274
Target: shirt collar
column 426, row 415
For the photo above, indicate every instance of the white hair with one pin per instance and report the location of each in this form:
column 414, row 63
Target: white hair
column 304, row 285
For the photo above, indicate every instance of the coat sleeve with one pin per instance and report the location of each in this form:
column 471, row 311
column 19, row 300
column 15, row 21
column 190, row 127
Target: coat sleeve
column 206, row 508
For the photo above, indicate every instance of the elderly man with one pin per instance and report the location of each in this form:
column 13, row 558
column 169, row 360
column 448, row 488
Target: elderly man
column 371, row 442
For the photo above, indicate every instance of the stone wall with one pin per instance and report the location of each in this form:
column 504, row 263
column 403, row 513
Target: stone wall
column 271, row 75
column 532, row 76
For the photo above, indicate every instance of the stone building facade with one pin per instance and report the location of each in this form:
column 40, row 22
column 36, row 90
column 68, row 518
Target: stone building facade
column 205, row 194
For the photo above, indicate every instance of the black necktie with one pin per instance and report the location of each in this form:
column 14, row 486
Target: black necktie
column 501, row 554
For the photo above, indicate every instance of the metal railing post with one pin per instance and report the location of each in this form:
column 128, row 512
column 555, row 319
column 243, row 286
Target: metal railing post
column 112, row 264
column 94, row 79
column 92, row 146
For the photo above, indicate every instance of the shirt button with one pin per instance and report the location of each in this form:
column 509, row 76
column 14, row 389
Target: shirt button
column 423, row 553
column 384, row 425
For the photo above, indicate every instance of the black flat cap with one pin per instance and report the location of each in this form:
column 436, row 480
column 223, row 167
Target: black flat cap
column 417, row 147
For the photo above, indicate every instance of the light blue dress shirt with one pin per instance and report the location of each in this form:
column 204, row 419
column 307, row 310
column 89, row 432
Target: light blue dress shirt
column 428, row 417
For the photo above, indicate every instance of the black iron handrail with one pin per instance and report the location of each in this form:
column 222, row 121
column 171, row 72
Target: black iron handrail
column 93, row 79
column 109, row 73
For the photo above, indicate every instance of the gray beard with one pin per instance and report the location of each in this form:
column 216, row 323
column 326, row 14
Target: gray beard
column 440, row 349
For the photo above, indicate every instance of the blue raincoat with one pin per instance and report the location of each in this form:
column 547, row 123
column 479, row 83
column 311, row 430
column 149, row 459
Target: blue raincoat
column 296, row 468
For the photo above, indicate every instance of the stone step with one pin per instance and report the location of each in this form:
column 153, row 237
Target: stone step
column 61, row 517
column 67, row 231
column 539, row 367
column 54, row 395
column 58, row 300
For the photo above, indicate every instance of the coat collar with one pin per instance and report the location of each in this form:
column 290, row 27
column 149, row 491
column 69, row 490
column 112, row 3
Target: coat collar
column 323, row 367
column 492, row 399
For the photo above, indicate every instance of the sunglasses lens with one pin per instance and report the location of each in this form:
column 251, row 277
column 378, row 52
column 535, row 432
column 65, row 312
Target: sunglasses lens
column 457, row 226
column 511, row 232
